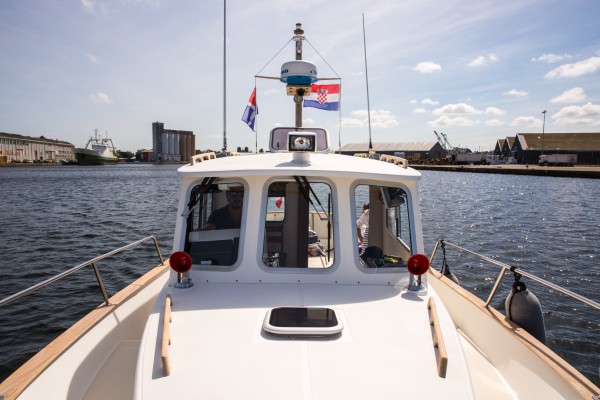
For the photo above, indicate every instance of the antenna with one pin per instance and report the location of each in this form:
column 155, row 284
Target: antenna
column 224, row 76
column 367, row 79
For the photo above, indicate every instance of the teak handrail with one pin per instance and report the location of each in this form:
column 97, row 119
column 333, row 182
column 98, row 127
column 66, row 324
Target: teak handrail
column 166, row 337
column 438, row 340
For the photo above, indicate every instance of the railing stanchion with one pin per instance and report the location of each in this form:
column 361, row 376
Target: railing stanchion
column 506, row 267
column 92, row 262
column 102, row 288
column 495, row 288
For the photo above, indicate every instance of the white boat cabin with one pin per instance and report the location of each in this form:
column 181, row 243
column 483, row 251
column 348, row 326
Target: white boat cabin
column 281, row 304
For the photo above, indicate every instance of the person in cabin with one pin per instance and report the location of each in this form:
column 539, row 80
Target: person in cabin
column 362, row 229
column 230, row 216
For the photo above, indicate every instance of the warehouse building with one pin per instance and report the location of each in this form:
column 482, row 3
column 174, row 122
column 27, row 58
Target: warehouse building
column 527, row 147
column 414, row 150
column 504, row 147
column 19, row 148
column 169, row 145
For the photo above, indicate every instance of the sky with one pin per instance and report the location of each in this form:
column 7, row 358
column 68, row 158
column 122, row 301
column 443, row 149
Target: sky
column 477, row 71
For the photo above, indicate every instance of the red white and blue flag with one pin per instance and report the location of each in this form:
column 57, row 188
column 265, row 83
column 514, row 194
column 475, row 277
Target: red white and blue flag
column 251, row 111
column 325, row 97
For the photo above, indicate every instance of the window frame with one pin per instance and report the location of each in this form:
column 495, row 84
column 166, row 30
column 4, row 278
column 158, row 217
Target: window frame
column 354, row 206
column 186, row 230
column 334, row 226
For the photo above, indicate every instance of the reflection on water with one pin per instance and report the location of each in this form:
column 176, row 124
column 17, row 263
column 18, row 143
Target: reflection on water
column 547, row 226
column 53, row 218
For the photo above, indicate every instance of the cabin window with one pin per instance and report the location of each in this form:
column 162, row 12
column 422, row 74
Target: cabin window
column 382, row 225
column 213, row 224
column 298, row 224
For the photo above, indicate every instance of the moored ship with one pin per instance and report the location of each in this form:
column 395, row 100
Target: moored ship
column 97, row 151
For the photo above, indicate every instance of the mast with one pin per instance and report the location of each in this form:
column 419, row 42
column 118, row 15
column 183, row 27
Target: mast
column 224, row 76
column 298, row 38
column 367, row 79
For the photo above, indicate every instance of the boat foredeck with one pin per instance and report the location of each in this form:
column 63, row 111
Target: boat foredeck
column 220, row 349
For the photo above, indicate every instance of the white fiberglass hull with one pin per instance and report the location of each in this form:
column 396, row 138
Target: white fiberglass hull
column 95, row 358
column 386, row 339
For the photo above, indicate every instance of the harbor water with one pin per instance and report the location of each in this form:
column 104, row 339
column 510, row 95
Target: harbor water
column 52, row 219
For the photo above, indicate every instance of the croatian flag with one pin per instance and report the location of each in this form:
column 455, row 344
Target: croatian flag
column 325, row 97
column 251, row 111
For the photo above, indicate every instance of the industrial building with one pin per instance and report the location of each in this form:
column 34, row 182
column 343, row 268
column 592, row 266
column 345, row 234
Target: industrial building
column 414, row 150
column 169, row 145
column 527, row 147
column 19, row 148
column 504, row 146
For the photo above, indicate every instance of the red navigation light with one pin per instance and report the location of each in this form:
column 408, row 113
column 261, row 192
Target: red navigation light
column 417, row 264
column 180, row 261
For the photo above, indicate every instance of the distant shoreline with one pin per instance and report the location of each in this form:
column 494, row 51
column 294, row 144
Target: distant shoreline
column 592, row 172
column 31, row 165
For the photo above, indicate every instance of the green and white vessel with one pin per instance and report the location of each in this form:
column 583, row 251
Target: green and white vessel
column 97, row 151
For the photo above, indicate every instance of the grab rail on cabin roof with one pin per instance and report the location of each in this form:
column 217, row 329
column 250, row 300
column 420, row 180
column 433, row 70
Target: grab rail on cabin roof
column 505, row 267
column 91, row 262
column 203, row 157
column 402, row 162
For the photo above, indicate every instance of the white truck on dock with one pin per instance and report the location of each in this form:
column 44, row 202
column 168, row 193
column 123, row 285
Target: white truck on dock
column 476, row 158
column 558, row 159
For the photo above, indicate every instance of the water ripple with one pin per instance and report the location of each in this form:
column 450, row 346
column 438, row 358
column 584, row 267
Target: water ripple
column 54, row 218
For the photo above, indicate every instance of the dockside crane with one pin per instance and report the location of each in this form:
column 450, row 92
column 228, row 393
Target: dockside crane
column 443, row 141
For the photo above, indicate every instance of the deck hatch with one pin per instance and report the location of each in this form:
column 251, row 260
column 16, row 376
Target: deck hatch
column 302, row 321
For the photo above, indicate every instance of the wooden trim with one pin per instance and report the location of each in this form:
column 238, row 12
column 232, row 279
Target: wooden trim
column 203, row 157
column 166, row 337
column 583, row 386
column 16, row 383
column 438, row 339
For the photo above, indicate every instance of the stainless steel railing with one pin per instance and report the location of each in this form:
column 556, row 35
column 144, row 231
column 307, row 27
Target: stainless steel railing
column 505, row 267
column 91, row 262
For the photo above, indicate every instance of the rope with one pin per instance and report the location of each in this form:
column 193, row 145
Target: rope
column 336, row 74
column 280, row 50
column 445, row 268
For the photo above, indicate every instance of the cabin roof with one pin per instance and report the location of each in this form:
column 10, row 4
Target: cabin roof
column 282, row 164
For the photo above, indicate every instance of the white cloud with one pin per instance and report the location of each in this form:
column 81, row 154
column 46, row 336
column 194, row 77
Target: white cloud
column 430, row 102
column 456, row 109
column 308, row 121
column 353, row 123
column 494, row 122
column 494, row 111
column 444, row 120
column 92, row 58
column 101, row 98
column 588, row 114
column 483, row 60
column 413, row 101
column 530, row 122
column 574, row 70
column 379, row 119
column 515, row 92
column 419, row 110
column 552, row 58
column 103, row 8
column 427, row 67
column 88, row 5
column 575, row 95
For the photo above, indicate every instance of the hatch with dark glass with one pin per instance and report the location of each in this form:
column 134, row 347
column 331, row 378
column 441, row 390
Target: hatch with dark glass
column 302, row 321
